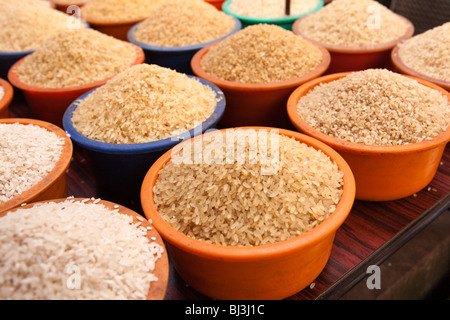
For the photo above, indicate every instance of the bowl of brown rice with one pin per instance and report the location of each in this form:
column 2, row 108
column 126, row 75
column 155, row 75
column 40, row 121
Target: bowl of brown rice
column 80, row 249
column 392, row 129
column 359, row 34
column 426, row 56
column 127, row 124
column 35, row 156
column 174, row 32
column 249, row 212
column 116, row 17
column 51, row 80
column 6, row 96
column 257, row 68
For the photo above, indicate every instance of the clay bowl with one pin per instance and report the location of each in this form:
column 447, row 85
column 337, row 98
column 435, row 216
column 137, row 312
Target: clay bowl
column 49, row 104
column 216, row 3
column 54, row 184
column 175, row 58
column 345, row 59
column 403, row 68
column 6, row 99
column 284, row 22
column 251, row 104
column 382, row 173
column 158, row 288
column 64, row 5
column 120, row 168
column 273, row 271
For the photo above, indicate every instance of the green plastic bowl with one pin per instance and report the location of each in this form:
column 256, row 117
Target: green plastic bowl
column 285, row 22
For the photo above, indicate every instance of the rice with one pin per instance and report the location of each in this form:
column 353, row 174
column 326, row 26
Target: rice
column 74, row 250
column 143, row 104
column 261, row 53
column 270, row 8
column 27, row 154
column 58, row 63
column 429, row 53
column 118, row 10
column 353, row 23
column 2, row 92
column 376, row 107
column 183, row 23
column 246, row 187
column 26, row 24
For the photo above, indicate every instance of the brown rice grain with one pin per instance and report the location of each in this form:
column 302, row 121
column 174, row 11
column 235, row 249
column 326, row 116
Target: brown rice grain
column 270, row 8
column 118, row 10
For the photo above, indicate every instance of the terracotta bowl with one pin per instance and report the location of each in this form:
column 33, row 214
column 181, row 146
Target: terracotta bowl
column 158, row 288
column 273, row 271
column 120, row 168
column 284, row 22
column 251, row 104
column 175, row 58
column 382, row 173
column 216, row 3
column 54, row 184
column 6, row 99
column 402, row 68
column 345, row 59
column 49, row 104
column 63, row 5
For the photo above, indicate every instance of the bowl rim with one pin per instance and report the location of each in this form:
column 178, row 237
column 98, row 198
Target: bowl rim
column 403, row 68
column 7, row 95
column 146, row 147
column 58, row 170
column 339, row 144
column 274, row 20
column 166, row 49
column 363, row 49
column 285, row 84
column 13, row 77
column 246, row 254
column 158, row 288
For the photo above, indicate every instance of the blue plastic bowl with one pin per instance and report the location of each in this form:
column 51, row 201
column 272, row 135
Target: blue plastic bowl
column 176, row 58
column 284, row 22
column 121, row 168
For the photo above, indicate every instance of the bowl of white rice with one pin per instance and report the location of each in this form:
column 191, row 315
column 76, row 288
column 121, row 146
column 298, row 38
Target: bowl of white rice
column 35, row 156
column 80, row 249
column 126, row 124
column 175, row 31
column 392, row 129
column 251, row 12
column 359, row 34
column 6, row 96
column 249, row 212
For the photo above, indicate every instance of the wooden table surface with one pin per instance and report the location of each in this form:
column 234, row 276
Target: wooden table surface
column 369, row 227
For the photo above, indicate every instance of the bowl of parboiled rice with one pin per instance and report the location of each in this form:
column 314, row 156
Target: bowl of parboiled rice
column 175, row 31
column 249, row 212
column 34, row 156
column 251, row 12
column 80, row 249
column 125, row 125
column 426, row 56
column 6, row 96
column 359, row 34
column 257, row 68
column 67, row 65
column 392, row 129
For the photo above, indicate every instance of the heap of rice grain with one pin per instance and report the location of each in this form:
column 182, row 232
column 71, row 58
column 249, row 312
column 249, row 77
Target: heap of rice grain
column 27, row 24
column 27, row 154
column 142, row 104
column 429, row 53
column 74, row 250
column 183, row 23
column 270, row 8
column 261, row 53
column 118, row 10
column 244, row 187
column 74, row 58
column 376, row 107
column 353, row 23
